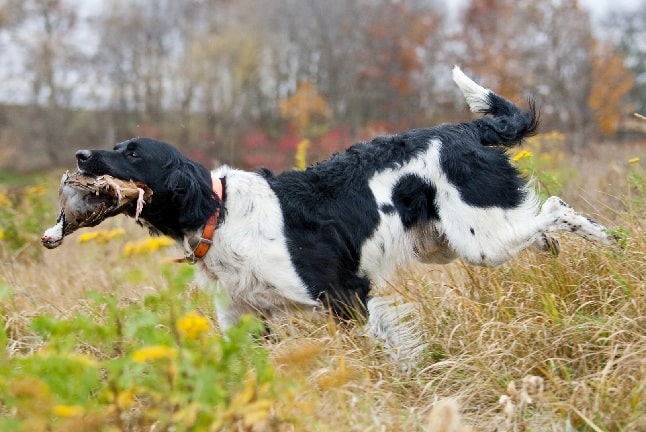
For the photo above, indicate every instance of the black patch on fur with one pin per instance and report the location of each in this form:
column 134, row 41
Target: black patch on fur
column 473, row 155
column 329, row 212
column 508, row 124
column 388, row 209
column 414, row 199
column 483, row 175
column 326, row 224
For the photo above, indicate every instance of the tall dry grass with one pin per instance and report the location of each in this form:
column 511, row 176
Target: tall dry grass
column 540, row 344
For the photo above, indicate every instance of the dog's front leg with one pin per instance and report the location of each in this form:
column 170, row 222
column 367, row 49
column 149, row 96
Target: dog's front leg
column 228, row 315
column 228, row 311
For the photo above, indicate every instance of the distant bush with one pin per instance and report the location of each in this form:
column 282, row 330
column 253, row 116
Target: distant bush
column 25, row 211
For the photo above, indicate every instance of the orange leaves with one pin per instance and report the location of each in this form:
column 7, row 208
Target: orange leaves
column 304, row 106
column 398, row 41
column 611, row 81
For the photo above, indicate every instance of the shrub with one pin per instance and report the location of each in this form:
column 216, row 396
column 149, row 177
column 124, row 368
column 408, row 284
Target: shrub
column 154, row 362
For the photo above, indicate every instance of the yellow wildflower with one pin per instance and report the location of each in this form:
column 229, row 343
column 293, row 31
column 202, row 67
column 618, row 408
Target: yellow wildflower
column 523, row 154
column 301, row 154
column 192, row 325
column 88, row 236
column 1, row 234
column 147, row 246
column 633, row 160
column 83, row 359
column 68, row 410
column 154, row 352
column 36, row 190
column 126, row 399
column 101, row 236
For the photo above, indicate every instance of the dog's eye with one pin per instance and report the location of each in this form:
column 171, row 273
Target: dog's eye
column 132, row 154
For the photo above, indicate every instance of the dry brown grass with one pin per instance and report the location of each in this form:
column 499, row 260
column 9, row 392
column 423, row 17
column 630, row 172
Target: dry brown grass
column 539, row 344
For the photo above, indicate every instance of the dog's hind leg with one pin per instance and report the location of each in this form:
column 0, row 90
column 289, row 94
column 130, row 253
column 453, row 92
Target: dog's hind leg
column 556, row 215
column 560, row 216
column 491, row 236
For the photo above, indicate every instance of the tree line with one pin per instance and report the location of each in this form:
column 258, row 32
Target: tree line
column 245, row 81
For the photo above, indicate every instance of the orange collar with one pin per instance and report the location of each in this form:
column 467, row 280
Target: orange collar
column 206, row 240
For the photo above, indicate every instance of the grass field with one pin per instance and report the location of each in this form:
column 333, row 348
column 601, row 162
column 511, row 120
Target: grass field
column 104, row 333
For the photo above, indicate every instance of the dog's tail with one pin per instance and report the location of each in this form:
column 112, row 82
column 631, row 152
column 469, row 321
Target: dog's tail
column 508, row 124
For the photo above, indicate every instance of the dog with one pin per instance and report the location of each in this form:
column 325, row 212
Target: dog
column 325, row 236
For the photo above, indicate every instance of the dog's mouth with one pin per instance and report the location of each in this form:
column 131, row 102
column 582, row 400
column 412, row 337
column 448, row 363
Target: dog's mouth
column 88, row 172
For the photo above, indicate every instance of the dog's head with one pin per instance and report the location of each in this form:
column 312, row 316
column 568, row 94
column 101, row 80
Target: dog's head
column 183, row 197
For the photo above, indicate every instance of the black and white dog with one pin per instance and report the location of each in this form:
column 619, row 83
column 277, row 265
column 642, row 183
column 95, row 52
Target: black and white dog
column 327, row 235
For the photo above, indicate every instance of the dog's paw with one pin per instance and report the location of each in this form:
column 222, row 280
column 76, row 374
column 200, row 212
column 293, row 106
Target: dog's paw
column 547, row 243
column 552, row 245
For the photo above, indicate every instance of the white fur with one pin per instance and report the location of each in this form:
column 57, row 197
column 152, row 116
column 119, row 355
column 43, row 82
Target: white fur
column 475, row 94
column 249, row 254
column 394, row 321
column 499, row 233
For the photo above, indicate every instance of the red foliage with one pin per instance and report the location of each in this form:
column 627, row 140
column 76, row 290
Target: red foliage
column 333, row 141
column 258, row 150
column 288, row 143
column 255, row 140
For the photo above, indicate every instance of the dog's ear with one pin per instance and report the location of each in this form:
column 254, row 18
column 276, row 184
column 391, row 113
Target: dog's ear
column 192, row 194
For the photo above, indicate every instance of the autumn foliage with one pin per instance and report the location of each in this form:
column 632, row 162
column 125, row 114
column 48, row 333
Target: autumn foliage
column 611, row 81
column 304, row 107
column 244, row 82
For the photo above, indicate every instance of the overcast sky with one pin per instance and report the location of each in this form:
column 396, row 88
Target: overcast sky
column 601, row 8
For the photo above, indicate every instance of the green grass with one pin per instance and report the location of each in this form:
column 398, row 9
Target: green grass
column 97, row 339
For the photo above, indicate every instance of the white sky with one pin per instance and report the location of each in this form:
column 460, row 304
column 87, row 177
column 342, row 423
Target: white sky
column 601, row 8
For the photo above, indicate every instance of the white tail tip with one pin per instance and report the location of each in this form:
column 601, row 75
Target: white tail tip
column 477, row 96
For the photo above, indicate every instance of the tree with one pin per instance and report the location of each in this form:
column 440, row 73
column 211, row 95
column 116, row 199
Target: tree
column 611, row 81
column 545, row 46
column 371, row 59
column 627, row 32
column 136, row 40
column 53, row 61
column 10, row 12
column 398, row 38
column 304, row 107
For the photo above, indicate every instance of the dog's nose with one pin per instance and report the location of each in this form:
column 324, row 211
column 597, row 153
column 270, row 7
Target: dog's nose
column 83, row 155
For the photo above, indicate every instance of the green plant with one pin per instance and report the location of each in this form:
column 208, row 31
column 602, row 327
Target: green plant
column 153, row 362
column 541, row 159
column 24, row 212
